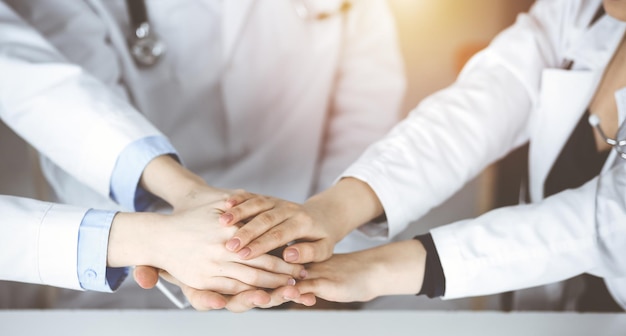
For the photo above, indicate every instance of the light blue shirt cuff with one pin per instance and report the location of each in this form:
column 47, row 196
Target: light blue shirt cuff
column 125, row 189
column 93, row 244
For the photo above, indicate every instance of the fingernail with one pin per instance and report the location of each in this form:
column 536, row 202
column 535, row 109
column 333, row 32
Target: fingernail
column 303, row 274
column 232, row 244
column 244, row 252
column 291, row 255
column 291, row 282
column 226, row 218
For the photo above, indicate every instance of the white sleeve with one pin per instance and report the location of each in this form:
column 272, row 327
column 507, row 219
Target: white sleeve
column 58, row 108
column 38, row 242
column 576, row 231
column 368, row 90
column 455, row 133
column 523, row 246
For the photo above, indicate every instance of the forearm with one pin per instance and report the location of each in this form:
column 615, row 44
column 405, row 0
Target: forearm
column 401, row 267
column 350, row 203
column 131, row 239
column 167, row 179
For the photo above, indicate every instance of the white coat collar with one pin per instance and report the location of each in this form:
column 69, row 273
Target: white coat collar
column 590, row 52
column 236, row 14
column 595, row 47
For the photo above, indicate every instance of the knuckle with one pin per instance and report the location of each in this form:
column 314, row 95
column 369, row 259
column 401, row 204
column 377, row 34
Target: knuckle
column 276, row 235
column 272, row 263
column 259, row 201
column 240, row 192
column 245, row 235
column 267, row 219
column 231, row 287
column 324, row 252
column 253, row 278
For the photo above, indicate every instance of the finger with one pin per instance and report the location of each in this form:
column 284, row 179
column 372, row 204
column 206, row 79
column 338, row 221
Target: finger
column 247, row 300
column 227, row 286
column 239, row 196
column 225, row 196
column 258, row 226
column 146, row 276
column 203, row 300
column 261, row 243
column 306, row 252
column 276, row 265
column 222, row 284
column 307, row 299
column 257, row 277
column 318, row 287
column 281, row 295
column 245, row 205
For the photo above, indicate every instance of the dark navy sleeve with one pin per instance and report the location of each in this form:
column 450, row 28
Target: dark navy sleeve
column 434, row 284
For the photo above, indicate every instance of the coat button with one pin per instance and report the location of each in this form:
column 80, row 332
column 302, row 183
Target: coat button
column 90, row 274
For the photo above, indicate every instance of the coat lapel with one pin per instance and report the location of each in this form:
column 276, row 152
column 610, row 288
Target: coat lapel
column 565, row 95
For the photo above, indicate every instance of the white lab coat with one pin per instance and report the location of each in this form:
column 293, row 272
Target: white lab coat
column 301, row 98
column 513, row 92
column 43, row 99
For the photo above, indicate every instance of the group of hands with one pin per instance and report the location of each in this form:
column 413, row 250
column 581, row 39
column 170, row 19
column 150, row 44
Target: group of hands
column 238, row 250
column 220, row 262
column 228, row 250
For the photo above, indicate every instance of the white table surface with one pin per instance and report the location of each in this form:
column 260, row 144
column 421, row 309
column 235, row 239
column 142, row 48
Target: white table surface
column 304, row 323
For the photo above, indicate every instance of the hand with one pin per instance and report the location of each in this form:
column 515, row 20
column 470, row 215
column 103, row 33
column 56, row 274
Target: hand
column 315, row 227
column 190, row 246
column 203, row 300
column 183, row 190
column 391, row 269
column 275, row 223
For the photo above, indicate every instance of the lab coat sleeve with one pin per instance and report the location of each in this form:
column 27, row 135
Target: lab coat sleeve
column 521, row 246
column 535, row 244
column 63, row 112
column 93, row 247
column 455, row 133
column 368, row 90
column 38, row 242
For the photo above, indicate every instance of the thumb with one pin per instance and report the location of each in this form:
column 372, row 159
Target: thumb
column 306, row 252
column 146, row 276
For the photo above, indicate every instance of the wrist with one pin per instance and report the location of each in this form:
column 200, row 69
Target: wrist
column 401, row 265
column 347, row 205
column 167, row 179
column 133, row 239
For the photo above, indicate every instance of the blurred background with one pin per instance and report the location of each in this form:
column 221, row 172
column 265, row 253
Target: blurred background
column 437, row 37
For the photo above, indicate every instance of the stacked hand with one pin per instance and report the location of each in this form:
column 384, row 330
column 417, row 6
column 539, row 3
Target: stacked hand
column 194, row 203
column 311, row 231
column 219, row 262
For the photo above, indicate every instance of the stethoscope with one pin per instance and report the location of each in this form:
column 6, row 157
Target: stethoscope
column 593, row 119
column 617, row 144
column 147, row 48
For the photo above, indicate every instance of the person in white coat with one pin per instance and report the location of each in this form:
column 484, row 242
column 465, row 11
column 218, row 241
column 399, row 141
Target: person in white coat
column 539, row 81
column 274, row 97
column 101, row 140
